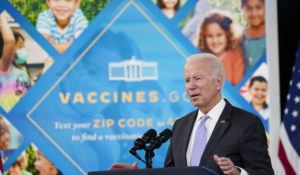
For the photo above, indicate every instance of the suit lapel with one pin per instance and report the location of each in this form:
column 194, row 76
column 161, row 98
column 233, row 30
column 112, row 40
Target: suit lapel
column 186, row 133
column 221, row 125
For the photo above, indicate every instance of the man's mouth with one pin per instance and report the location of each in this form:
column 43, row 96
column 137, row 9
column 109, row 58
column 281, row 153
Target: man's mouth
column 194, row 95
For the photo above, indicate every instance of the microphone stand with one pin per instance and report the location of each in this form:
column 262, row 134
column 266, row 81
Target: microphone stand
column 134, row 153
column 148, row 157
column 154, row 144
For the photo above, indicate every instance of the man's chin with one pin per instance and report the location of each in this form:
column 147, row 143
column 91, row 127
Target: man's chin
column 196, row 104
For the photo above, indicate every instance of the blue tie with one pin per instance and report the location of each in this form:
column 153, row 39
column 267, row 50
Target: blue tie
column 199, row 142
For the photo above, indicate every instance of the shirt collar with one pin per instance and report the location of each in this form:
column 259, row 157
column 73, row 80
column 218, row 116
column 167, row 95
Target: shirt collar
column 215, row 112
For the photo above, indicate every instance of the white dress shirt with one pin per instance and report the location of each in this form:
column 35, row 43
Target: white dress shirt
column 214, row 115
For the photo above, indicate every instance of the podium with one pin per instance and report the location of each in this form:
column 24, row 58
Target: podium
column 159, row 171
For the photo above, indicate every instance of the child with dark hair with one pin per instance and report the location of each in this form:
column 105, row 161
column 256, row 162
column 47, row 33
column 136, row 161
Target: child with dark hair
column 21, row 60
column 20, row 48
column 253, row 39
column 14, row 80
column 259, row 91
column 217, row 37
column 169, row 7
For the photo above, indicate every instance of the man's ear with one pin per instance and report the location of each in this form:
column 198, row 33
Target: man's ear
column 220, row 82
column 47, row 1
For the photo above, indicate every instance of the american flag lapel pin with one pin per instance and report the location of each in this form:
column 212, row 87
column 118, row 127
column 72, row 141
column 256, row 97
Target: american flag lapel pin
column 222, row 121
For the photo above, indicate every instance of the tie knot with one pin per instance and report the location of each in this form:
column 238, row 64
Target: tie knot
column 204, row 118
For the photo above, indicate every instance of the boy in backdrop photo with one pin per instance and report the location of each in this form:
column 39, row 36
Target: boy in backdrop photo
column 61, row 23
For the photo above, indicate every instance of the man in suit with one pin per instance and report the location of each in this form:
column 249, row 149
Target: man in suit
column 234, row 140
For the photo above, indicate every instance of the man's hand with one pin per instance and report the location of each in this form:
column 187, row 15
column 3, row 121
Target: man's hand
column 226, row 165
column 123, row 166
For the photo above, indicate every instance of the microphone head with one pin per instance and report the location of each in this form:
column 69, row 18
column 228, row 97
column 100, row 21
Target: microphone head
column 165, row 135
column 149, row 135
column 160, row 139
column 139, row 144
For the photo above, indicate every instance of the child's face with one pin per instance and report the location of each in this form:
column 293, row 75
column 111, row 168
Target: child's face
column 255, row 12
column 42, row 164
column 215, row 38
column 62, row 9
column 170, row 4
column 20, row 43
column 259, row 92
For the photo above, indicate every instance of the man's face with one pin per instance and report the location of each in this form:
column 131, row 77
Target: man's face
column 201, row 87
column 62, row 9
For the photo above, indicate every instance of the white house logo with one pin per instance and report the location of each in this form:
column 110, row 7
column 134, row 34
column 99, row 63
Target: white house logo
column 133, row 70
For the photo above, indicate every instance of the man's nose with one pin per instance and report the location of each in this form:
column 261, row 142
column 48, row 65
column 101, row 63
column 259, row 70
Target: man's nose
column 191, row 84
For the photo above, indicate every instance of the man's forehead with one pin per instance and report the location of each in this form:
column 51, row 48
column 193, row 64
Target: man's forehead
column 197, row 64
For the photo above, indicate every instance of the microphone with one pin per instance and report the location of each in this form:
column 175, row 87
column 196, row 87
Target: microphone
column 159, row 140
column 149, row 135
column 140, row 143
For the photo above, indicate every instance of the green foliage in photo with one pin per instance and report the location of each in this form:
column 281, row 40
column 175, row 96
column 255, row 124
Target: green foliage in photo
column 31, row 158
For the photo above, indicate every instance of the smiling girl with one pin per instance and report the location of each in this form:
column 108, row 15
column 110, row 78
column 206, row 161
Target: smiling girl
column 217, row 37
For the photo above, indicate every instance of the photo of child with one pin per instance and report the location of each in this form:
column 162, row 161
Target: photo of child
column 21, row 62
column 169, row 7
column 253, row 39
column 32, row 162
column 258, row 91
column 217, row 36
column 18, row 167
column 255, row 91
column 14, row 78
column 45, row 166
column 62, row 23
column 10, row 138
column 248, row 18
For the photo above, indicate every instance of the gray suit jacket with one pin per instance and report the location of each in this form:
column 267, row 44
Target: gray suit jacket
column 238, row 135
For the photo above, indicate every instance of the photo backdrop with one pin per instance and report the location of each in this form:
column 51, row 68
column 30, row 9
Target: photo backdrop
column 122, row 76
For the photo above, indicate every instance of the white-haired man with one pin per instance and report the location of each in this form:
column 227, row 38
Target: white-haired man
column 218, row 136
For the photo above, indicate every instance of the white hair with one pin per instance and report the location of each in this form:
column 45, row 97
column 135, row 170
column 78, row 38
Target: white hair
column 216, row 65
